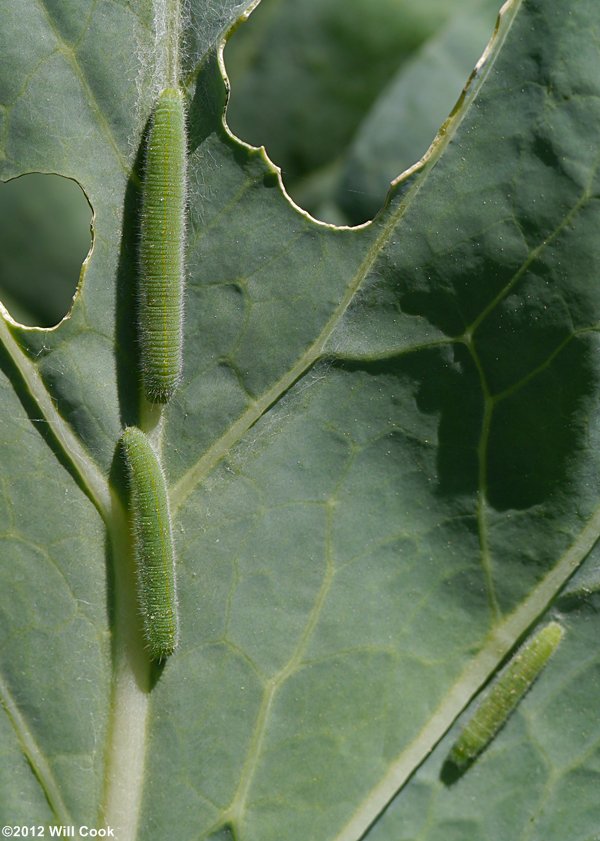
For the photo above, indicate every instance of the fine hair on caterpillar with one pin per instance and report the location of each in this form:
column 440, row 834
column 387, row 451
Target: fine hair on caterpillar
column 162, row 248
column 151, row 529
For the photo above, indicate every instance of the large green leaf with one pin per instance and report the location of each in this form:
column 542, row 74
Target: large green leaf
column 383, row 461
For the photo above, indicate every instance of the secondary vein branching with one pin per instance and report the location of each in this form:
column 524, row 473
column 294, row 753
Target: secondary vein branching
column 416, row 177
column 236, row 810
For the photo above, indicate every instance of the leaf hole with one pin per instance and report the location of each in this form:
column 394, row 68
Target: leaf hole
column 345, row 95
column 45, row 235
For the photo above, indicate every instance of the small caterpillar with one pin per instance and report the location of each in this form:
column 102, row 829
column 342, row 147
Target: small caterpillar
column 505, row 694
column 162, row 247
column 153, row 544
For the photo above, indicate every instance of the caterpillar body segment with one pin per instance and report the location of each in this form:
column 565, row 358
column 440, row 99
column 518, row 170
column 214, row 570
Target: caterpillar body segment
column 153, row 544
column 505, row 694
column 162, row 249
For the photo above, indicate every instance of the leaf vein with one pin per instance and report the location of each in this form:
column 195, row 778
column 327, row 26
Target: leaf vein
column 93, row 480
column 73, row 59
column 35, row 757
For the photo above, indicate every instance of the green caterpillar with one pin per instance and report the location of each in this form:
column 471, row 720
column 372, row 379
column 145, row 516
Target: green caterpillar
column 162, row 249
column 505, row 694
column 153, row 544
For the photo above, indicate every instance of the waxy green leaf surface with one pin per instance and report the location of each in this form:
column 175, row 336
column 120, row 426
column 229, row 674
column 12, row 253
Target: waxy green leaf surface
column 383, row 461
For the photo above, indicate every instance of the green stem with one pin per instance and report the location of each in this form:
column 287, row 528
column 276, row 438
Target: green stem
column 168, row 30
column 126, row 748
column 173, row 41
column 131, row 687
